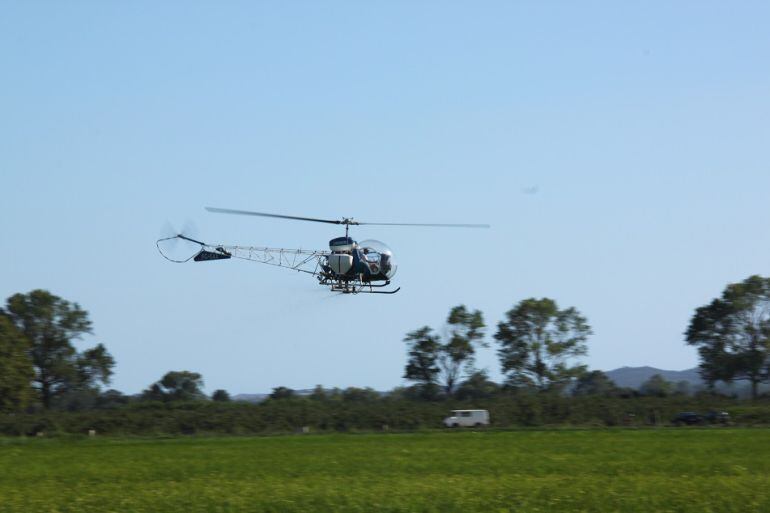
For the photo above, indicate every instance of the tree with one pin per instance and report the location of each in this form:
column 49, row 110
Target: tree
column 110, row 399
column 466, row 330
column 176, row 386
column 537, row 342
column 683, row 387
column 50, row 324
column 656, row 386
column 318, row 394
column 732, row 334
column 16, row 371
column 477, row 386
column 220, row 396
column 282, row 393
column 94, row 366
column 440, row 361
column 362, row 395
column 421, row 365
column 595, row 383
column 153, row 393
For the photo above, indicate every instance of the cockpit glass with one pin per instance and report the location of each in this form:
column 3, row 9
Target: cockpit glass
column 379, row 257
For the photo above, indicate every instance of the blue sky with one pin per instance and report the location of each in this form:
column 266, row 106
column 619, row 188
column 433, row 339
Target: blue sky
column 643, row 126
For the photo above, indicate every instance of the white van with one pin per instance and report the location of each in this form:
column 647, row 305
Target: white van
column 467, row 418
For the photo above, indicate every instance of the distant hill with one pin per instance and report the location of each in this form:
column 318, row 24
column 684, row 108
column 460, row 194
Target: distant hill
column 633, row 377
column 258, row 398
column 250, row 398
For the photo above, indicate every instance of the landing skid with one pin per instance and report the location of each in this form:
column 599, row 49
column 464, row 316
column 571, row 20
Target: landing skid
column 377, row 291
column 357, row 287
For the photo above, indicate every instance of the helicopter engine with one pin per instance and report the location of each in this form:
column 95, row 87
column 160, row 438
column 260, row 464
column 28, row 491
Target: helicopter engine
column 341, row 259
column 340, row 263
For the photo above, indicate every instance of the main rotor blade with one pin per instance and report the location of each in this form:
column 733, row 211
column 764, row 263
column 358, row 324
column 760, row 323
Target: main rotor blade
column 262, row 214
column 439, row 225
column 345, row 221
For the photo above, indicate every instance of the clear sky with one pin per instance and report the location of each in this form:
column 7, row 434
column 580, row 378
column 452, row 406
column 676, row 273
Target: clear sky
column 643, row 126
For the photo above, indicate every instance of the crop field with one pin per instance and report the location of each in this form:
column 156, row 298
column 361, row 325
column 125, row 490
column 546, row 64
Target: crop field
column 678, row 470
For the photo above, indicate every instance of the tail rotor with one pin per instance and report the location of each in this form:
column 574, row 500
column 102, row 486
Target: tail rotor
column 178, row 245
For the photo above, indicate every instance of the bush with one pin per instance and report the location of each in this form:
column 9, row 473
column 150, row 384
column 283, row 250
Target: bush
column 367, row 412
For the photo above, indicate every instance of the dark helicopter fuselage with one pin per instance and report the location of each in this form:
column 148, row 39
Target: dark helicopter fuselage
column 370, row 261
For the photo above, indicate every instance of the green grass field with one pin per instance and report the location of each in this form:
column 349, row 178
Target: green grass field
column 680, row 470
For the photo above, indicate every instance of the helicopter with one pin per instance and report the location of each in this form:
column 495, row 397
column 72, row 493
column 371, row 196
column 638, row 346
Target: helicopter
column 349, row 267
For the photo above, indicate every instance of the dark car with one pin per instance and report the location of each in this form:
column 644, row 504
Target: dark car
column 717, row 417
column 687, row 418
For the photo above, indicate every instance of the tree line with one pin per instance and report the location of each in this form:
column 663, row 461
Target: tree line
column 539, row 346
column 40, row 366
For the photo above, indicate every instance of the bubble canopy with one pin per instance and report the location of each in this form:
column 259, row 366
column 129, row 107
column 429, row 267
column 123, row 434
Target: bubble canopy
column 378, row 256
